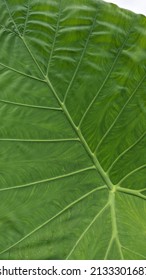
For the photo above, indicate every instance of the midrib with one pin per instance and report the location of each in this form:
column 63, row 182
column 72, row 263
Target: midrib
column 77, row 130
column 92, row 156
column 115, row 235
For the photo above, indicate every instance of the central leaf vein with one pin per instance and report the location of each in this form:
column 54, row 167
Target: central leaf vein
column 93, row 158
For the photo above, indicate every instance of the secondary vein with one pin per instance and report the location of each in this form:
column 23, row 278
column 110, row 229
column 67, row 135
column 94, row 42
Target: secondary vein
column 50, row 179
column 86, row 230
column 131, row 173
column 30, row 105
column 51, row 219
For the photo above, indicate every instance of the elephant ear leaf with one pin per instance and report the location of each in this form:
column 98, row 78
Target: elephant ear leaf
column 72, row 131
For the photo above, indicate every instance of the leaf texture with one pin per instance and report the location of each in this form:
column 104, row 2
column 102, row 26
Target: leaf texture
column 72, row 131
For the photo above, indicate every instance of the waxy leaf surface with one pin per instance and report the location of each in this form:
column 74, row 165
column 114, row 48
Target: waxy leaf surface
column 72, row 130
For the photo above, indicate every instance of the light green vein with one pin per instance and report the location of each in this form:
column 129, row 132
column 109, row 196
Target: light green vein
column 11, row 17
column 142, row 190
column 108, row 248
column 97, row 165
column 125, row 248
column 126, row 191
column 22, row 73
column 105, row 80
column 26, row 19
column 41, row 140
column 53, row 218
column 115, row 234
column 29, row 51
column 87, row 228
column 126, row 151
column 131, row 173
column 30, row 106
column 131, row 192
column 120, row 113
column 50, row 179
column 81, row 57
column 54, row 41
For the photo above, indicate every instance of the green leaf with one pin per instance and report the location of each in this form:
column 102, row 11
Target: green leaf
column 72, row 131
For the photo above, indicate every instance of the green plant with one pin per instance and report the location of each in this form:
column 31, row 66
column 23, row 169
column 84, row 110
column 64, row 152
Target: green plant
column 72, row 131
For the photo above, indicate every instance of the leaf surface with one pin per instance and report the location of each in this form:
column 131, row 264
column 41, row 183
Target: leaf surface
column 72, row 131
